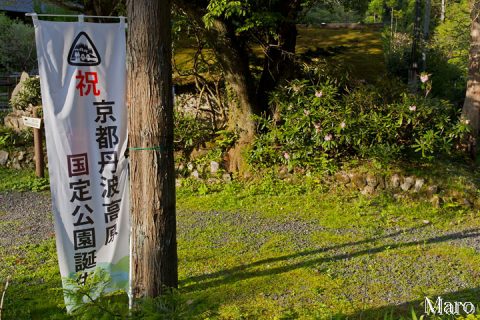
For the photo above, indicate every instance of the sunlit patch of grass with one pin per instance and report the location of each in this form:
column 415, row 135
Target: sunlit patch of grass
column 361, row 50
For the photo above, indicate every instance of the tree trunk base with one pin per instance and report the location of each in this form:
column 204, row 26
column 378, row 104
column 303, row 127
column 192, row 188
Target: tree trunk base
column 235, row 159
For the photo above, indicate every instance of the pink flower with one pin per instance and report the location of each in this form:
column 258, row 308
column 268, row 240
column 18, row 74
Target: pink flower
column 286, row 155
column 318, row 94
column 424, row 77
column 343, row 124
column 306, row 112
column 412, row 108
column 328, row 137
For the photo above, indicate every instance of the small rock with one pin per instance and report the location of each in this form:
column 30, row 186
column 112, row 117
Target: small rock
column 398, row 196
column 436, row 201
column 432, row 190
column 16, row 165
column 466, row 203
column 180, row 167
column 24, row 76
column 368, row 190
column 426, row 221
column 282, row 172
column 342, row 178
column 381, row 182
column 21, row 156
column 476, row 204
column 178, row 182
column 407, row 183
column 226, row 177
column 214, row 166
column 247, row 175
column 359, row 181
column 3, row 157
column 351, row 186
column 190, row 166
column 418, row 184
column 372, row 180
column 195, row 174
column 198, row 153
column 394, row 181
column 213, row 181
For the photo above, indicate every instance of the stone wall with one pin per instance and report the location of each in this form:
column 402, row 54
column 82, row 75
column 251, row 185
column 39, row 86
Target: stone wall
column 18, row 159
column 405, row 186
column 14, row 119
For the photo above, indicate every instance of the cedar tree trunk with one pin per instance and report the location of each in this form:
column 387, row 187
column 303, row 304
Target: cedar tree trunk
column 471, row 106
column 152, row 174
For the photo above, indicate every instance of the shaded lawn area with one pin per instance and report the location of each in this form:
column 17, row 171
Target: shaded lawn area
column 360, row 51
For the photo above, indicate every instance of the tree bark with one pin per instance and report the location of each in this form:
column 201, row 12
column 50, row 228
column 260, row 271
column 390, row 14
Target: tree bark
column 233, row 58
column 471, row 106
column 442, row 11
column 152, row 175
column 426, row 19
column 426, row 31
column 413, row 71
column 231, row 53
column 280, row 54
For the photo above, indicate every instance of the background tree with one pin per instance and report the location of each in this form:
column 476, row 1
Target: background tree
column 17, row 46
column 471, row 107
column 230, row 28
column 375, row 11
column 152, row 174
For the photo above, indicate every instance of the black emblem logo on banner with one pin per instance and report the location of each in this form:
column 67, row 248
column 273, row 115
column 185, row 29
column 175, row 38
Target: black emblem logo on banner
column 83, row 52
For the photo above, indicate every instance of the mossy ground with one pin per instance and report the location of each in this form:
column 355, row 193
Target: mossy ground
column 275, row 250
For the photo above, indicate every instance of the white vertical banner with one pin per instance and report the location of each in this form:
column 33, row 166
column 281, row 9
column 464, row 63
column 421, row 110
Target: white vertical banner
column 82, row 70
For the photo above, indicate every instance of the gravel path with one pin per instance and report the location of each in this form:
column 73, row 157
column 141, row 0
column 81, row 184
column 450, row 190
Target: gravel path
column 25, row 218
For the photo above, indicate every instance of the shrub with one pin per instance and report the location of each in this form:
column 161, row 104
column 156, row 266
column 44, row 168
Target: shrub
column 190, row 132
column 9, row 138
column 314, row 123
column 447, row 58
column 397, row 50
column 29, row 94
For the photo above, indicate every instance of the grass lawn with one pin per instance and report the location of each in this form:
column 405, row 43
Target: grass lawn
column 359, row 50
column 276, row 250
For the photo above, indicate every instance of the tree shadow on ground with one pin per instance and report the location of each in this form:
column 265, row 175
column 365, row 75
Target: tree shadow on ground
column 404, row 310
column 309, row 259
